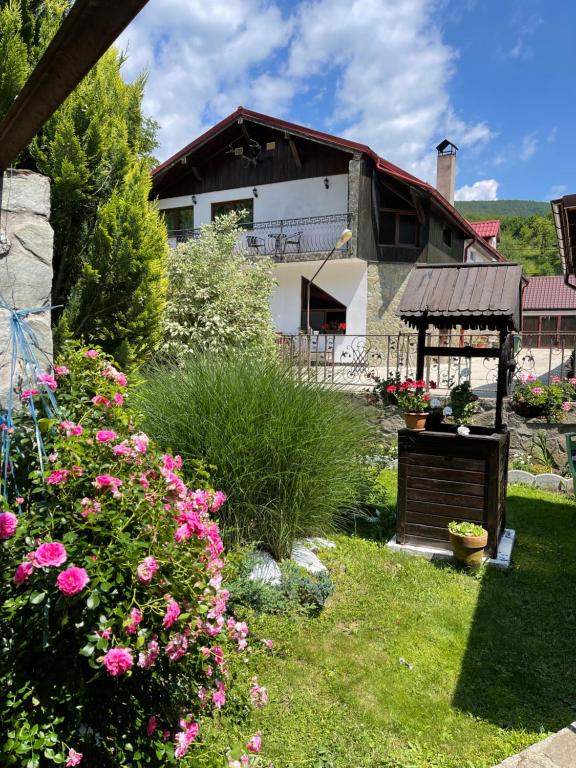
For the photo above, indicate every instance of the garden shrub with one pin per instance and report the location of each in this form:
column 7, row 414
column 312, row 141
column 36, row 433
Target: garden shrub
column 115, row 643
column 287, row 451
column 532, row 398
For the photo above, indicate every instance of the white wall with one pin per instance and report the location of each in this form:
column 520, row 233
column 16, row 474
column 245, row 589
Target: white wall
column 299, row 198
column 344, row 279
column 474, row 253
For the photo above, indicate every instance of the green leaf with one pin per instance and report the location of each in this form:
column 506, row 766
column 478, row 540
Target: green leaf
column 93, row 601
column 87, row 650
column 37, row 597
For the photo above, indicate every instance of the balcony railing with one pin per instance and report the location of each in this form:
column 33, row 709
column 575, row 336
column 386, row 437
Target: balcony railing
column 284, row 239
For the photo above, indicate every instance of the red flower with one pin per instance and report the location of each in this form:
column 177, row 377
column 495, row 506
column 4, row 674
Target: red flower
column 426, row 397
column 391, row 388
column 342, row 326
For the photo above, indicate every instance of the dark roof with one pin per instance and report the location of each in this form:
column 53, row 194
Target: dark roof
column 548, row 293
column 467, row 295
column 489, row 228
column 564, row 212
column 382, row 165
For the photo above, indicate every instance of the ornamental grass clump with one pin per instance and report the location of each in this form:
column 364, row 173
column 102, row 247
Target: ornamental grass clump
column 288, row 451
column 116, row 645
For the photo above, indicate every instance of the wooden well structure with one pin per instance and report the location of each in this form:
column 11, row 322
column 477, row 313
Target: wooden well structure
column 443, row 476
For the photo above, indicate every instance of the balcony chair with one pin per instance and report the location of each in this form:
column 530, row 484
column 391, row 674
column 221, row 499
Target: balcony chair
column 255, row 243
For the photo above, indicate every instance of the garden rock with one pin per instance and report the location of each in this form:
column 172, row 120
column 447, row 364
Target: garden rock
column 266, row 569
column 550, row 482
column 315, row 543
column 520, row 476
column 307, row 559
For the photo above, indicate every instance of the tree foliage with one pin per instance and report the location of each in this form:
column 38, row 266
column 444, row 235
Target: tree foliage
column 532, row 242
column 90, row 149
column 217, row 299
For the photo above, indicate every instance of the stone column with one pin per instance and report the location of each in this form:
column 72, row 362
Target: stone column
column 26, row 270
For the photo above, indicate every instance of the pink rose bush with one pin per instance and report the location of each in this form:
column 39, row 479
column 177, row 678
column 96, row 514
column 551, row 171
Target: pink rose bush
column 111, row 592
column 531, row 397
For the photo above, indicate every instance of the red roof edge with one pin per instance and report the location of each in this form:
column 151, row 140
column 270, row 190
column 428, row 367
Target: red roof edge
column 381, row 164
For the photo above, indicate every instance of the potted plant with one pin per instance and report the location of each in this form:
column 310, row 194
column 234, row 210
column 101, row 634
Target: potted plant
column 413, row 399
column 468, row 542
column 435, row 414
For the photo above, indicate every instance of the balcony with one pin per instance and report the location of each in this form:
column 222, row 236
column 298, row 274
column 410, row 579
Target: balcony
column 285, row 240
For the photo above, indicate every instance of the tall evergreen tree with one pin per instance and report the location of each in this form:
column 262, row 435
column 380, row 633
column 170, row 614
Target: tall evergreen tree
column 96, row 149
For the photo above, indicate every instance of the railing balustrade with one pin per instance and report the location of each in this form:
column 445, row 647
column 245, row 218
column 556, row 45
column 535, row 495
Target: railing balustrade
column 359, row 362
column 283, row 239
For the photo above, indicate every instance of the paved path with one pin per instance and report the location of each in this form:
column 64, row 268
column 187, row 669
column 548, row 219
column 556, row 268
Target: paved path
column 558, row 751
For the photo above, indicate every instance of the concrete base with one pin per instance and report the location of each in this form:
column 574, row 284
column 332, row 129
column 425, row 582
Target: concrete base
column 502, row 560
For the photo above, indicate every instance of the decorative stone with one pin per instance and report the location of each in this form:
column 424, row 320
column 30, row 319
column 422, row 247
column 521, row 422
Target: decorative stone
column 27, row 192
column 557, row 751
column 520, row 476
column 307, row 559
column 315, row 543
column 550, row 482
column 266, row 569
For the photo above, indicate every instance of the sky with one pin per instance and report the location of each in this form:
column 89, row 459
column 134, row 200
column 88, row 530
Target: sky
column 496, row 77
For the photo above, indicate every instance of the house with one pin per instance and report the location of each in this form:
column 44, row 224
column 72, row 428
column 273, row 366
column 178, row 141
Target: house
column 298, row 189
column 549, row 313
column 488, row 230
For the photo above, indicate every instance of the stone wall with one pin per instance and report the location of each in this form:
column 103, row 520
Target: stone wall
column 26, row 270
column 386, row 283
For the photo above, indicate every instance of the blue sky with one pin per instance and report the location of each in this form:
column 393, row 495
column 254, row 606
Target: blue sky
column 495, row 76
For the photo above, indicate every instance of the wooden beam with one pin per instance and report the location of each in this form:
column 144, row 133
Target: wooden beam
column 243, row 128
column 84, row 36
column 295, row 153
column 461, row 352
column 418, row 206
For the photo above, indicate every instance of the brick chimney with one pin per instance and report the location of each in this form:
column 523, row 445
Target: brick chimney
column 446, row 169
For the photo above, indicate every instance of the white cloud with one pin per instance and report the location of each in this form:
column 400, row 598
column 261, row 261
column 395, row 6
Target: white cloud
column 528, row 146
column 486, row 189
column 558, row 190
column 383, row 62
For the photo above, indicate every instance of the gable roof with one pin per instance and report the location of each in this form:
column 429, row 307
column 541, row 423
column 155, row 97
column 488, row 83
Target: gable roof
column 488, row 228
column 382, row 165
column 466, row 295
column 548, row 293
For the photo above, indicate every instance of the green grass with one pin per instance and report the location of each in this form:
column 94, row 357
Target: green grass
column 492, row 657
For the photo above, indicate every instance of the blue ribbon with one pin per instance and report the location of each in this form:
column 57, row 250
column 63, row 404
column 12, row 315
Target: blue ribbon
column 23, row 342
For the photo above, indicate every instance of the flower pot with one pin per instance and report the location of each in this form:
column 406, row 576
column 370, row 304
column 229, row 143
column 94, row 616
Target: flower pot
column 415, row 421
column 469, row 550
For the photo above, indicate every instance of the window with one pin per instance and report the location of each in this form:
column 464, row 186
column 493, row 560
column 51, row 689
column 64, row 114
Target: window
column 178, row 219
column 327, row 314
column 246, row 207
column 398, row 228
column 447, row 237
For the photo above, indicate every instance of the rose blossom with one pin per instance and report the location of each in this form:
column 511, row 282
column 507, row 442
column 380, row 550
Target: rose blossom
column 140, row 442
column 118, row 661
column 107, row 481
column 48, row 380
column 72, row 580
column 101, row 400
column 22, row 572
column 8, row 524
column 58, row 477
column 151, row 725
column 50, row 555
column 61, row 370
column 147, row 569
column 217, row 501
column 70, row 429
column 29, row 393
column 74, row 758
column 566, row 406
column 136, row 618
column 91, row 353
column 105, row 435
column 537, row 390
column 255, row 744
column 119, row 399
column 171, row 615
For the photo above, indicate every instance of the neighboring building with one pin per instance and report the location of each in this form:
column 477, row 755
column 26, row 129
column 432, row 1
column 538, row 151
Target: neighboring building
column 548, row 313
column 299, row 188
column 488, row 230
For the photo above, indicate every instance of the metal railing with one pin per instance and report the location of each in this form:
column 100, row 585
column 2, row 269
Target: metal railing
column 283, row 239
column 359, row 362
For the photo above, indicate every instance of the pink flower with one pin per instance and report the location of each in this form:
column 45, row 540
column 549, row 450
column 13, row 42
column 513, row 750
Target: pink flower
column 106, row 634
column 171, row 615
column 572, row 381
column 118, row 661
column 8, row 525
column 89, row 507
column 74, row 758
column 19, row 500
column 219, row 695
column 555, row 380
column 22, row 572
column 176, row 647
column 61, row 370
column 537, row 391
column 91, row 353
column 107, row 481
column 147, row 569
column 72, row 581
column 50, row 555
column 147, row 659
column 566, row 406
column 29, row 393
column 151, row 725
column 217, row 501
column 186, row 736
column 58, row 477
column 105, row 435
column 119, row 399
column 48, row 380
column 258, row 694
column 136, row 616
column 140, row 442
column 255, row 744
column 268, row 643
column 70, row 429
column 101, row 400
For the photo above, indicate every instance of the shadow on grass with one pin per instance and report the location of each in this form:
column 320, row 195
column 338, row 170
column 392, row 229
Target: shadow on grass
column 366, row 524
column 519, row 669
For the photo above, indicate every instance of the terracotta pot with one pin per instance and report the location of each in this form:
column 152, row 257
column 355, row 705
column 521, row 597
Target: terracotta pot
column 415, row 421
column 469, row 550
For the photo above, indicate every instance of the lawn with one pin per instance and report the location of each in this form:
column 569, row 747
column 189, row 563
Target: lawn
column 414, row 664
